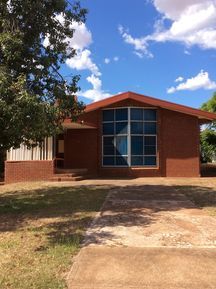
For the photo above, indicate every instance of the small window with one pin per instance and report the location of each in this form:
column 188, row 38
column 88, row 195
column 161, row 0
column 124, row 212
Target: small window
column 136, row 114
column 121, row 161
column 150, row 161
column 108, row 161
column 108, row 148
column 136, row 160
column 121, row 145
column 136, row 145
column 150, row 127
column 150, row 140
column 108, row 128
column 121, row 114
column 121, row 127
column 150, row 114
column 149, row 150
column 136, row 128
column 108, row 115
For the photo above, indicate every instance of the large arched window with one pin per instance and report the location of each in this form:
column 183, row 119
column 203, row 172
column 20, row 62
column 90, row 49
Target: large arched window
column 130, row 137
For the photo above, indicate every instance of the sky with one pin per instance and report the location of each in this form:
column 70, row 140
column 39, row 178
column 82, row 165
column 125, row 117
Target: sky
column 160, row 48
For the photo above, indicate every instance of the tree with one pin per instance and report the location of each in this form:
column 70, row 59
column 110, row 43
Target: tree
column 208, row 145
column 208, row 135
column 34, row 97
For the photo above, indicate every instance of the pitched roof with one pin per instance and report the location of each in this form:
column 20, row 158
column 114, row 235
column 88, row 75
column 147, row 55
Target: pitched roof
column 204, row 115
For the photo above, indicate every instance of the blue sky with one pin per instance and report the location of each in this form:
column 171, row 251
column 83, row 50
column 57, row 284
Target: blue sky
column 161, row 48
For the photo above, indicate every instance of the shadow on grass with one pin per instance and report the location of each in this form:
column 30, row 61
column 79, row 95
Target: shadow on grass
column 60, row 213
column 201, row 196
column 70, row 210
column 138, row 205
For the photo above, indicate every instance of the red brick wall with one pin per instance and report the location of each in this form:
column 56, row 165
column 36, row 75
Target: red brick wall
column 81, row 147
column 129, row 172
column 21, row 171
column 179, row 145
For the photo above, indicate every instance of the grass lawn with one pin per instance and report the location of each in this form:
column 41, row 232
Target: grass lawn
column 41, row 228
column 202, row 196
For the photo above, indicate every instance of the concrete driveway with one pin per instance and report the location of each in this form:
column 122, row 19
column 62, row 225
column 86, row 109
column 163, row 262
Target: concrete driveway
column 147, row 236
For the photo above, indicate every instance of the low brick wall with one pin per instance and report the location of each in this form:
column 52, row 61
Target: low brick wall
column 23, row 171
column 129, row 172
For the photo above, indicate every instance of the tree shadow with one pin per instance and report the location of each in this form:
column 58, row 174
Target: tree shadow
column 141, row 206
column 20, row 207
column 70, row 210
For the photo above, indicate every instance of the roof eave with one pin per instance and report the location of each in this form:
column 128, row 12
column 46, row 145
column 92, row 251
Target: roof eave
column 152, row 101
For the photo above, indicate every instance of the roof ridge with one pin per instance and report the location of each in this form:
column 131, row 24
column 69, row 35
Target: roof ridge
column 151, row 100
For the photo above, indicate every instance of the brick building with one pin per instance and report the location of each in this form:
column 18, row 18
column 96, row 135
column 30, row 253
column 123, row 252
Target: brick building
column 127, row 135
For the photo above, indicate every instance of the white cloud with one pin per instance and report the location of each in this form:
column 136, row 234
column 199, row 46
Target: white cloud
column 96, row 93
column 9, row 6
column 140, row 45
column 187, row 52
column 179, row 79
column 82, row 61
column 171, row 90
column 81, row 40
column 201, row 80
column 95, row 81
column 172, row 9
column 193, row 22
column 106, row 60
column 46, row 41
column 82, row 36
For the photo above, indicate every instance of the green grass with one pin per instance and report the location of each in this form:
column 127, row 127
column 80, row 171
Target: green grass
column 41, row 228
column 203, row 197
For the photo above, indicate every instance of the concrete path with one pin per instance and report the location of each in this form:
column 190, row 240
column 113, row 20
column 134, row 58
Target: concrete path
column 147, row 236
column 139, row 268
column 151, row 216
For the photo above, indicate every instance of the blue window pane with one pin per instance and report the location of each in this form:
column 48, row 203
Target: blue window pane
column 108, row 161
column 136, row 161
column 150, row 140
column 108, row 115
column 108, row 128
column 137, row 145
column 150, row 128
column 149, row 150
column 136, row 128
column 121, row 128
column 121, row 161
column 150, row 114
column 136, row 113
column 121, row 114
column 108, row 146
column 150, row 161
column 121, row 145
column 108, row 140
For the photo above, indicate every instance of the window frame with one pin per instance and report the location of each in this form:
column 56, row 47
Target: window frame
column 129, row 135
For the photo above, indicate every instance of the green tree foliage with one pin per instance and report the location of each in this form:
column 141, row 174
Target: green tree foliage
column 208, row 145
column 34, row 97
column 208, row 135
